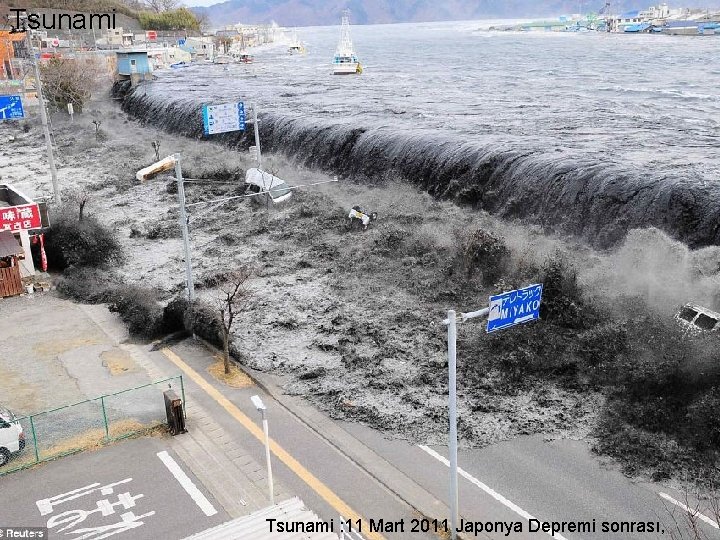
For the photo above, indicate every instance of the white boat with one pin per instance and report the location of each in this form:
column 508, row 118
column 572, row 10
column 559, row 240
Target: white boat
column 296, row 46
column 345, row 61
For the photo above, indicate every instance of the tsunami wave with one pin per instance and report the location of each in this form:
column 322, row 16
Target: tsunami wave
column 560, row 191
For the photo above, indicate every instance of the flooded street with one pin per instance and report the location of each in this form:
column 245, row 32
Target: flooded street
column 619, row 130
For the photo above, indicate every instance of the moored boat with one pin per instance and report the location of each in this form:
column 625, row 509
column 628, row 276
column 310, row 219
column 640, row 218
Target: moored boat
column 345, row 61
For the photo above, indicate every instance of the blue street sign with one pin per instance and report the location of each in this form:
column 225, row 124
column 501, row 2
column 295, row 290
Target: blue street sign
column 514, row 307
column 223, row 118
column 181, row 42
column 11, row 108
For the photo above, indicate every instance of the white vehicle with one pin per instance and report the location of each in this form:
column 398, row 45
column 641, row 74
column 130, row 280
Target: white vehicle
column 697, row 318
column 270, row 188
column 12, row 437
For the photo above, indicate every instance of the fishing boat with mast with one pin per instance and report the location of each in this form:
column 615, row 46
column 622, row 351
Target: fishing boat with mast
column 296, row 46
column 345, row 61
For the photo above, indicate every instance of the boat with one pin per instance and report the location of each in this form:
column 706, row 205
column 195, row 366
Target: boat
column 345, row 61
column 246, row 57
column 296, row 46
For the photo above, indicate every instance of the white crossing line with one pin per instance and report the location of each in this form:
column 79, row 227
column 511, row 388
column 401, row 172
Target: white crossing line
column 487, row 489
column 187, row 484
column 691, row 511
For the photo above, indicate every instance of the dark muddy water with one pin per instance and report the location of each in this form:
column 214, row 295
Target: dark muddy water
column 590, row 134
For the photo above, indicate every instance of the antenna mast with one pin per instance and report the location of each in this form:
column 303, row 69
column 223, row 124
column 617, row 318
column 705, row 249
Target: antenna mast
column 345, row 44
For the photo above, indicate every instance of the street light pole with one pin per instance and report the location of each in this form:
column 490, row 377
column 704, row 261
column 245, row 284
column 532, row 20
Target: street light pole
column 260, row 406
column 44, row 119
column 267, row 458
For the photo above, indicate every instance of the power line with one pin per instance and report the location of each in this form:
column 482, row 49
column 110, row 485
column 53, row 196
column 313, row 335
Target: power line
column 219, row 201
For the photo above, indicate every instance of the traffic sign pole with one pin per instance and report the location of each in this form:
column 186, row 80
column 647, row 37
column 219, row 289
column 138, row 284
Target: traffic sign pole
column 452, row 446
column 505, row 310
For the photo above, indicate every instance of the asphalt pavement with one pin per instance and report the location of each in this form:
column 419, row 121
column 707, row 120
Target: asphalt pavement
column 138, row 488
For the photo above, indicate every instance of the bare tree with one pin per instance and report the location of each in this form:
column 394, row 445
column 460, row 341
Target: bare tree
column 203, row 20
column 696, row 511
column 67, row 80
column 158, row 6
column 79, row 197
column 234, row 296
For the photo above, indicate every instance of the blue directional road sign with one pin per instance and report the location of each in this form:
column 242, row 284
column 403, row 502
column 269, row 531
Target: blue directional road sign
column 514, row 307
column 223, row 118
column 11, row 108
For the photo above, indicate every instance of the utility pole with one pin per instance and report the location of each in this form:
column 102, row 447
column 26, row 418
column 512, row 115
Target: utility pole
column 184, row 226
column 44, row 119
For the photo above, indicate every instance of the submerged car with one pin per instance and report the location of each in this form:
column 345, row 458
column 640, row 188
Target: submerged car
column 12, row 437
column 698, row 318
column 269, row 188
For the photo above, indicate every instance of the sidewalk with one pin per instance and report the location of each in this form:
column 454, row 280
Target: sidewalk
column 238, row 482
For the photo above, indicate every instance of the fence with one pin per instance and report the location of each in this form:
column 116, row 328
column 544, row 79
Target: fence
column 69, row 429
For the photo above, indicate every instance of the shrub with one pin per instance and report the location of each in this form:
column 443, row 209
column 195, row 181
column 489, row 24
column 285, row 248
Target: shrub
column 174, row 314
column 389, row 239
column 637, row 448
column 176, row 19
column 204, row 321
column 83, row 284
column 139, row 309
column 483, row 251
column 703, row 420
column 562, row 301
column 81, row 243
column 163, row 229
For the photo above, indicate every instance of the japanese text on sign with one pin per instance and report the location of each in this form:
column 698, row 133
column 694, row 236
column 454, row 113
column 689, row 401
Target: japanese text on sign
column 223, row 118
column 11, row 108
column 18, row 218
column 514, row 307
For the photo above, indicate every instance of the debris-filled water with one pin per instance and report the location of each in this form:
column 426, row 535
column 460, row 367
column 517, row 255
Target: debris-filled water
column 590, row 134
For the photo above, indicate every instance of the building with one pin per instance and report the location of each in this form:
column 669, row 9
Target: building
column 543, row 26
column 21, row 217
column 133, row 65
column 10, row 254
column 161, row 57
column 12, row 48
column 199, row 47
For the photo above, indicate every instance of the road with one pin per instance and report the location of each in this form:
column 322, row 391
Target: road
column 137, row 489
column 325, row 479
column 558, row 480
column 336, row 469
column 510, row 482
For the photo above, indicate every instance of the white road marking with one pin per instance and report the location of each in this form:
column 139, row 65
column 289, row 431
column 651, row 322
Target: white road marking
column 187, row 484
column 691, row 511
column 487, row 489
